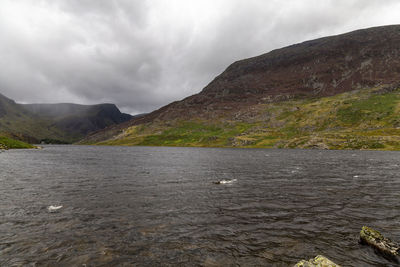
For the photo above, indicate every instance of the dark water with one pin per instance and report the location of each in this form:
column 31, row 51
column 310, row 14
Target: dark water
column 147, row 206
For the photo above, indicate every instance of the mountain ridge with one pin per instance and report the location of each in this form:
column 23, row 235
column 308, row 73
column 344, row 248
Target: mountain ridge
column 221, row 92
column 249, row 91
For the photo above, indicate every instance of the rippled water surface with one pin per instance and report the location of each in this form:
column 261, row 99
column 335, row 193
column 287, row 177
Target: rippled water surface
column 148, row 206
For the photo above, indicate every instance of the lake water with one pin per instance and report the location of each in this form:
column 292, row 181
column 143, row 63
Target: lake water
column 159, row 206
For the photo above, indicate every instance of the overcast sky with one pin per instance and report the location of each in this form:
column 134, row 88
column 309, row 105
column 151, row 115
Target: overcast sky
column 142, row 54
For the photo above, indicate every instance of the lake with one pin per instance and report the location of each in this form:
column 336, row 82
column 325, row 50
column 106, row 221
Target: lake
column 159, row 206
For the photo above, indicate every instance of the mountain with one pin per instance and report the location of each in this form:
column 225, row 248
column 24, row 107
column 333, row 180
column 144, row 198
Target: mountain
column 18, row 123
column 79, row 119
column 60, row 123
column 333, row 92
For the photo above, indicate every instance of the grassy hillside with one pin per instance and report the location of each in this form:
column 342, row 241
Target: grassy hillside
column 55, row 123
column 8, row 143
column 18, row 123
column 361, row 119
column 32, row 129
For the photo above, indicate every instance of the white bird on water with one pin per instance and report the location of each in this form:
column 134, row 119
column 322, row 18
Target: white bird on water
column 54, row 208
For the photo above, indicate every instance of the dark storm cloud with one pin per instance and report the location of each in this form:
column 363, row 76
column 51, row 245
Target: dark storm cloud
column 144, row 54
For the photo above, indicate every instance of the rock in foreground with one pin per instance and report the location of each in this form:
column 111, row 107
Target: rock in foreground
column 319, row 261
column 378, row 241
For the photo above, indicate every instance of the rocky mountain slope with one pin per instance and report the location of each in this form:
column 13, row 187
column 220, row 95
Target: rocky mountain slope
column 339, row 88
column 360, row 119
column 322, row 67
column 55, row 122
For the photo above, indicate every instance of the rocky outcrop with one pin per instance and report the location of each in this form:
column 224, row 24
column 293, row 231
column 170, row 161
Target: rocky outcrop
column 318, row 261
column 241, row 141
column 3, row 147
column 376, row 240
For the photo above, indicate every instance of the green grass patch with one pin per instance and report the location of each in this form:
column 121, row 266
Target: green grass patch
column 8, row 143
column 196, row 134
column 374, row 108
column 361, row 119
column 291, row 131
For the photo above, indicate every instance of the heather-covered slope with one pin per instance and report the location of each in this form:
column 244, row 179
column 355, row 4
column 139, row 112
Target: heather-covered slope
column 333, row 92
column 323, row 67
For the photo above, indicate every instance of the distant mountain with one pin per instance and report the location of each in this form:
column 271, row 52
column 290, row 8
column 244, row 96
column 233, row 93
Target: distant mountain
column 339, row 88
column 19, row 123
column 55, row 122
column 81, row 119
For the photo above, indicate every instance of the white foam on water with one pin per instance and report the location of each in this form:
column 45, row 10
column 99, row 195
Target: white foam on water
column 227, row 181
column 54, row 208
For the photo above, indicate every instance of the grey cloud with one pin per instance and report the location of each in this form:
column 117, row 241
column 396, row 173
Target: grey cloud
column 141, row 55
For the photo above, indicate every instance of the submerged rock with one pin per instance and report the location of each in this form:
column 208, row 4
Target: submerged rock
column 376, row 240
column 319, row 261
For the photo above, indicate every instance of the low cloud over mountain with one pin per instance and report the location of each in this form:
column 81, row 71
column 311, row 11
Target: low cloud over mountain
column 141, row 55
